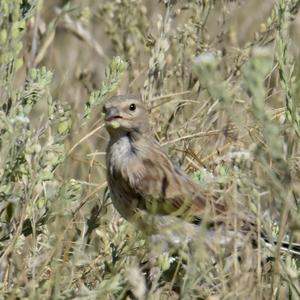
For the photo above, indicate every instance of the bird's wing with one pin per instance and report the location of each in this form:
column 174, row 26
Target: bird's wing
column 166, row 189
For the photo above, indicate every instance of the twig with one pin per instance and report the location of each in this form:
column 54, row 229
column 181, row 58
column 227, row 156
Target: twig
column 76, row 28
column 195, row 135
column 84, row 138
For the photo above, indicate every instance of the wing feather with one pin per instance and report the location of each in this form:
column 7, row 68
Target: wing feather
column 164, row 188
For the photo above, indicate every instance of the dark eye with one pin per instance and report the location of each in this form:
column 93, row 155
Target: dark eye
column 132, row 107
column 104, row 109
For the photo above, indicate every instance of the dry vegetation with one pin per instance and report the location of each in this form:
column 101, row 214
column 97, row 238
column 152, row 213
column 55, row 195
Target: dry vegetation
column 221, row 78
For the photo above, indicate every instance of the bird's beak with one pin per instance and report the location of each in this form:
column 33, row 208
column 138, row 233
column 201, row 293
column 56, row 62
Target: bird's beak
column 112, row 117
column 111, row 114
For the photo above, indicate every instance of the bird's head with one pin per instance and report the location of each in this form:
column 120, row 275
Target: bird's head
column 125, row 114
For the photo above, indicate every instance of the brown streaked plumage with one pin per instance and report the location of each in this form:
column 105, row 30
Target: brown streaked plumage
column 141, row 177
column 147, row 188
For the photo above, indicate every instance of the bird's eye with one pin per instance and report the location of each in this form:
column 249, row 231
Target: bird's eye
column 132, row 107
column 104, row 109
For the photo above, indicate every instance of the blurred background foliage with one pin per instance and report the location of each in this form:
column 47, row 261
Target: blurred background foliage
column 221, row 78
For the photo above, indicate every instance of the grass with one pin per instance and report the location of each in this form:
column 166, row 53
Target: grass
column 221, row 79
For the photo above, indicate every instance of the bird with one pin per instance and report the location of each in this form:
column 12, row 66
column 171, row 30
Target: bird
column 152, row 192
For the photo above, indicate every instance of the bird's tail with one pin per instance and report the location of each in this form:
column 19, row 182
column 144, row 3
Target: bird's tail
column 293, row 248
column 286, row 247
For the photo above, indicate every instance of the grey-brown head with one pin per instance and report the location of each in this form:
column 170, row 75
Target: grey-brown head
column 125, row 114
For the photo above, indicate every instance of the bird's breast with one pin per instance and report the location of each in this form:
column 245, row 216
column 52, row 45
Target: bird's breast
column 119, row 156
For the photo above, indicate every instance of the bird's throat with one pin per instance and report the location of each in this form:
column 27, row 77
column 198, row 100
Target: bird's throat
column 120, row 151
